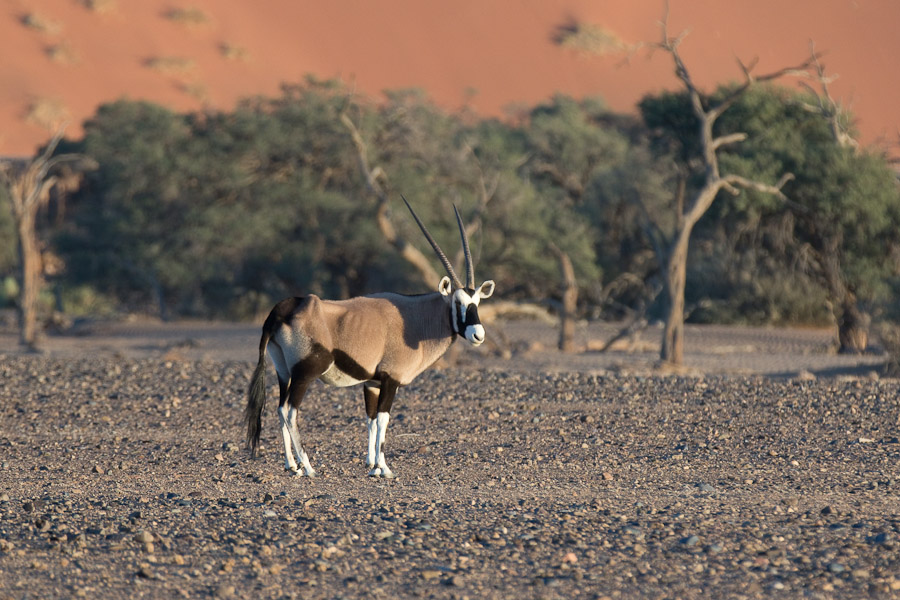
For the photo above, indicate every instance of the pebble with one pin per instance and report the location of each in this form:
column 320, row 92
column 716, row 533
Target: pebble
column 559, row 526
column 144, row 537
column 145, row 572
column 836, row 568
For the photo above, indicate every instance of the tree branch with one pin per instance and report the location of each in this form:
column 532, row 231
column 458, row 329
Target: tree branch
column 731, row 138
column 372, row 175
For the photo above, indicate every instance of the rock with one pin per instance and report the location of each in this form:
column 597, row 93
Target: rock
column 805, row 375
column 145, row 573
column 715, row 548
column 144, row 537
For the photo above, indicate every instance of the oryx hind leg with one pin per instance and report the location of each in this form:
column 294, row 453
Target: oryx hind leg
column 284, row 379
column 288, row 415
column 302, row 375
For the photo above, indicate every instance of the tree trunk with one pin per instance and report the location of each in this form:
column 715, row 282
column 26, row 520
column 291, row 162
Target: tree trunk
column 672, row 351
column 569, row 288
column 853, row 327
column 852, row 323
column 31, row 282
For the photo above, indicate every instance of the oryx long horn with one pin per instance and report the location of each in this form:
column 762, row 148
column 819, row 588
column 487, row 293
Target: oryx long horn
column 437, row 249
column 470, row 272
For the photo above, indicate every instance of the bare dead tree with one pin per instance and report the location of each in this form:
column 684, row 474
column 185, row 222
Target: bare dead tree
column 673, row 254
column 29, row 183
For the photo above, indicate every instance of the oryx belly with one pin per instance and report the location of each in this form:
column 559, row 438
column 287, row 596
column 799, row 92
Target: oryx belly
column 334, row 376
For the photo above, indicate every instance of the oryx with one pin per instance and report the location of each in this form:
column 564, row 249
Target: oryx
column 382, row 341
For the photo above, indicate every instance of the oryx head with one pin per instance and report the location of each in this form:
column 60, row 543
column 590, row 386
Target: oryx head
column 463, row 299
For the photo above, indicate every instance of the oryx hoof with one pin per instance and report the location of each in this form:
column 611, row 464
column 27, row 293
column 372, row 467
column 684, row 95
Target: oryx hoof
column 382, row 472
column 298, row 472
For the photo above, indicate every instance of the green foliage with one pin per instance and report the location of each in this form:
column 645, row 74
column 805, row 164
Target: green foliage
column 224, row 213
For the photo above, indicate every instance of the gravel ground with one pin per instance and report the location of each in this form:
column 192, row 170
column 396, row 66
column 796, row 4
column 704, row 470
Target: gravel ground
column 126, row 478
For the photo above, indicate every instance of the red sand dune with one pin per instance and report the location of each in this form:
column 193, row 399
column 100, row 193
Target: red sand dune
column 489, row 54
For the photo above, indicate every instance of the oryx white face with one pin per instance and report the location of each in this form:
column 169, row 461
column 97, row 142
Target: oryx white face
column 464, row 309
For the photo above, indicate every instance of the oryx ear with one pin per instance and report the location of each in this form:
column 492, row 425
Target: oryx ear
column 445, row 286
column 486, row 290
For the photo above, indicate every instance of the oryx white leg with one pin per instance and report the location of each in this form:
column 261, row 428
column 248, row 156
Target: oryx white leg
column 381, row 422
column 371, row 456
column 289, row 463
column 294, row 435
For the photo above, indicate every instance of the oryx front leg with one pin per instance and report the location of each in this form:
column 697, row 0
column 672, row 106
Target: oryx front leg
column 378, row 406
column 381, row 469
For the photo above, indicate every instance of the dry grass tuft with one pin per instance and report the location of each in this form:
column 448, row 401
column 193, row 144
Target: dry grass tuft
column 41, row 23
column 101, row 7
column 196, row 90
column 63, row 54
column 48, row 113
column 589, row 38
column 171, row 65
column 235, row 53
column 190, row 17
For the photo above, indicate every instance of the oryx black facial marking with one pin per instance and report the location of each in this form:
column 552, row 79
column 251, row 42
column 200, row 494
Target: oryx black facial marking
column 382, row 341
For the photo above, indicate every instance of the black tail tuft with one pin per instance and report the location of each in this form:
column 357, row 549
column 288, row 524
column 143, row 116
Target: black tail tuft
column 256, row 401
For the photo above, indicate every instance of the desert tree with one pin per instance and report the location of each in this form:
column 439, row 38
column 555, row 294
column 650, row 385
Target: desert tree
column 28, row 183
column 692, row 202
column 852, row 322
column 568, row 144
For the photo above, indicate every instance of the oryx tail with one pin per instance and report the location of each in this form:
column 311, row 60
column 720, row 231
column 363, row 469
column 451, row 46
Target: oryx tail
column 256, row 394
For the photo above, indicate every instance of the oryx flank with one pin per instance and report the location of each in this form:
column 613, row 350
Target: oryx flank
column 382, row 341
